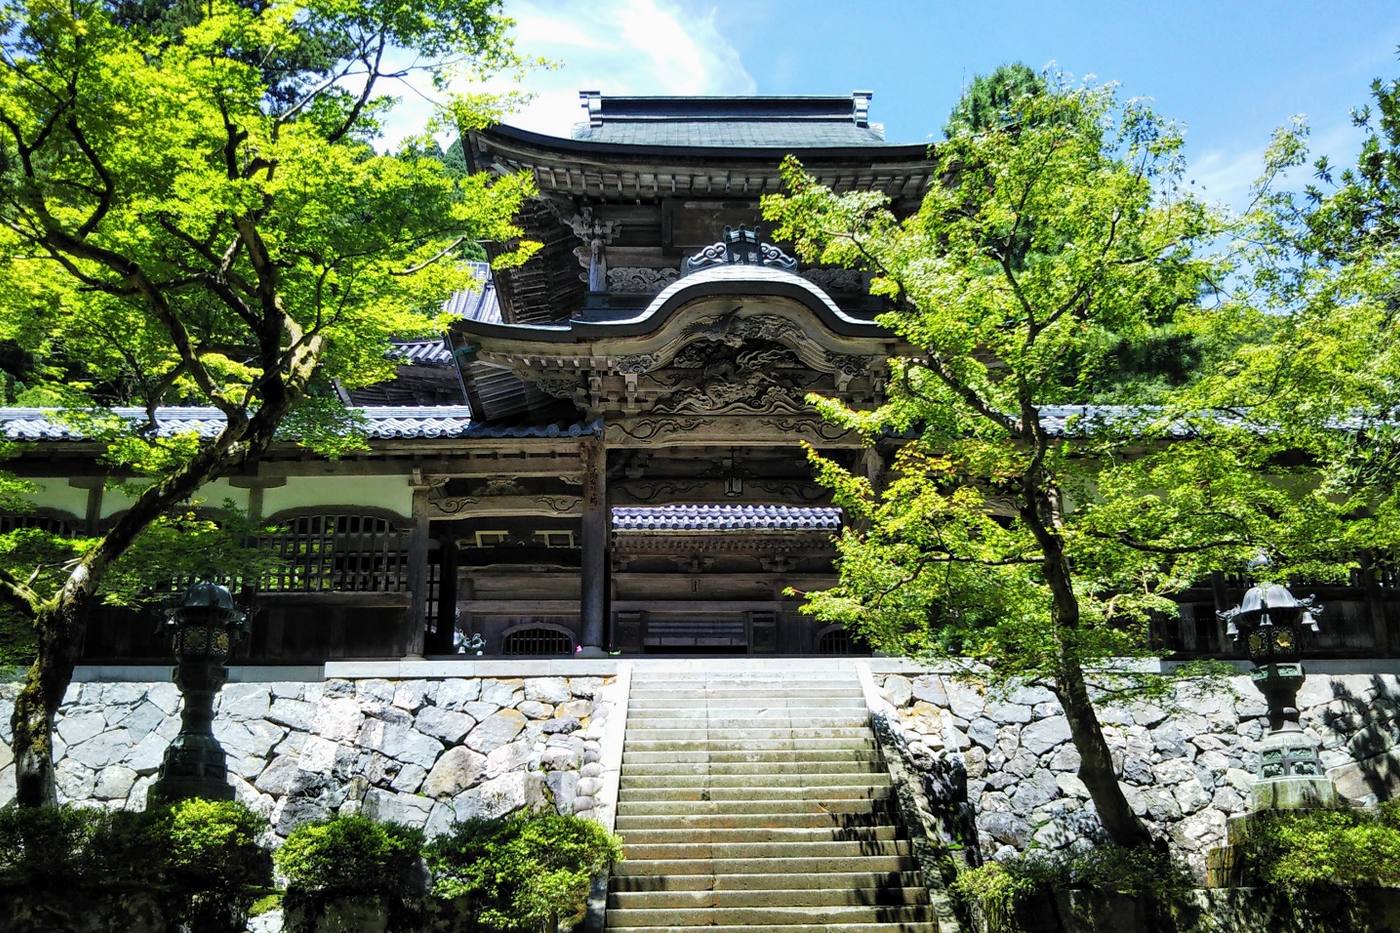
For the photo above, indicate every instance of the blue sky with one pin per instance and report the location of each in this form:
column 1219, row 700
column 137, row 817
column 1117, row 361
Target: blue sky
column 1231, row 70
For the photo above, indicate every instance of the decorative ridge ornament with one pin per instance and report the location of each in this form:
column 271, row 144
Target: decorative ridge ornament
column 740, row 247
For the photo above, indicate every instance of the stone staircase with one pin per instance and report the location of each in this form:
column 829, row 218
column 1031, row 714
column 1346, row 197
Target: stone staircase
column 755, row 802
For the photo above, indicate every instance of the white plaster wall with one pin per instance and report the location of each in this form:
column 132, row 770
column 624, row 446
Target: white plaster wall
column 381, row 492
column 114, row 501
column 55, row 493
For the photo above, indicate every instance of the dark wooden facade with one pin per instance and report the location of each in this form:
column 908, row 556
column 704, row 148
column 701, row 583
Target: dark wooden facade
column 631, row 475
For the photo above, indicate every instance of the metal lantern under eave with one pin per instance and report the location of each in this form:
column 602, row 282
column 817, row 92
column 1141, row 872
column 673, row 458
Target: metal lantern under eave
column 206, row 625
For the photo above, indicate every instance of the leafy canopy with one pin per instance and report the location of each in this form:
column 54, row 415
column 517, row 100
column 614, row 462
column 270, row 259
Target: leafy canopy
column 191, row 212
column 1020, row 535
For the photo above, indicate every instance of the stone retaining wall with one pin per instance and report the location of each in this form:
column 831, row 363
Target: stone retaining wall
column 419, row 752
column 1185, row 766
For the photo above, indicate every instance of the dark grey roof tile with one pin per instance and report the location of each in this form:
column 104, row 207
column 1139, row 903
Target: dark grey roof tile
column 381, row 423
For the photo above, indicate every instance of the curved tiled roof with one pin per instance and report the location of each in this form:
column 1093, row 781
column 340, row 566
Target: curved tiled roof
column 433, row 352
column 382, row 422
column 726, row 517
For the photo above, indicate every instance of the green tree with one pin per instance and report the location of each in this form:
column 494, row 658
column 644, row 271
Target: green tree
column 191, row 212
column 994, row 101
column 1012, row 530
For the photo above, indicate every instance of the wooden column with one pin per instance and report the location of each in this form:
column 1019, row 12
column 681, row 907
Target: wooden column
column 594, row 544
column 446, row 621
column 269, row 628
column 416, row 623
column 1375, row 604
column 92, row 510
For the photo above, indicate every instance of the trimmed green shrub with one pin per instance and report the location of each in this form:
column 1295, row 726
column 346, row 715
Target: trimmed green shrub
column 1000, row 891
column 49, row 846
column 200, row 858
column 214, row 844
column 1305, row 850
column 356, row 863
column 352, row 855
column 517, row 872
column 995, row 891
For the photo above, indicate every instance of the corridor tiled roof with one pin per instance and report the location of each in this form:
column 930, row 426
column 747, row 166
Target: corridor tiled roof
column 726, row 517
column 381, row 423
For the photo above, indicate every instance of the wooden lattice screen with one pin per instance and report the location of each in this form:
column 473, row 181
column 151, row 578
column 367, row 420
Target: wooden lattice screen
column 53, row 524
column 835, row 641
column 537, row 642
column 338, row 553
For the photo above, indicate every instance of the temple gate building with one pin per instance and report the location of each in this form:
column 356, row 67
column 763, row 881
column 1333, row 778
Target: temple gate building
column 606, row 451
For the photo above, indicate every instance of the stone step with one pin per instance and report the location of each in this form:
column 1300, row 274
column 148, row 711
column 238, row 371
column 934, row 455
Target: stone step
column 622, row 919
column 751, row 701
column 718, row 851
column 797, row 865
column 746, row 688
column 758, row 881
column 654, row 733
column 788, row 804
column 822, row 715
column 822, row 792
column 839, row 896
column 699, row 821
column 779, row 779
column 778, row 756
column 711, row 835
column 927, row 926
column 788, row 676
column 684, row 694
column 743, row 719
column 711, row 744
column 717, row 768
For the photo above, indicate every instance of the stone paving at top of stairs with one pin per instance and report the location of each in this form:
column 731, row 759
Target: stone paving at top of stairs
column 758, row 804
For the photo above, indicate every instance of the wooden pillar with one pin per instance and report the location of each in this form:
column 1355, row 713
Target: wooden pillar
column 1220, row 595
column 268, row 628
column 92, row 509
column 594, row 544
column 446, row 622
column 416, row 623
column 1375, row 604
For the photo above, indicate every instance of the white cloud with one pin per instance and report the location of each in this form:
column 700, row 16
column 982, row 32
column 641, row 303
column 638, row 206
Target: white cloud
column 1225, row 177
column 613, row 46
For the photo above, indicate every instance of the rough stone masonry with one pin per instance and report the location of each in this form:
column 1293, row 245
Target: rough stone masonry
column 1185, row 766
column 429, row 751
column 418, row 752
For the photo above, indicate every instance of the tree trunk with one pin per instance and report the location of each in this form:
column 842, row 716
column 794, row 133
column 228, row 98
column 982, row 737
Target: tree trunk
column 62, row 621
column 60, row 629
column 1041, row 512
column 1095, row 761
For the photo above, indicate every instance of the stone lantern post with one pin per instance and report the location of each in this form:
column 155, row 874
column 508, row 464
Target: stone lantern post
column 205, row 626
column 1271, row 622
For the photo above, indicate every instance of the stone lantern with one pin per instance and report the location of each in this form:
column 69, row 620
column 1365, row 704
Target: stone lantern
column 1271, row 621
column 205, row 626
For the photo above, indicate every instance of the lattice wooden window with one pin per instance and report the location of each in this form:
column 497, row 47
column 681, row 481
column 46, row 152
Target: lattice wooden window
column 537, row 642
column 53, row 524
column 836, row 641
column 339, row 553
column 563, row 538
column 434, row 598
column 489, row 538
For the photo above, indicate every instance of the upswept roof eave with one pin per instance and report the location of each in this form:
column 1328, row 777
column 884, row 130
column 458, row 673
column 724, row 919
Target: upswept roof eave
column 737, row 281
